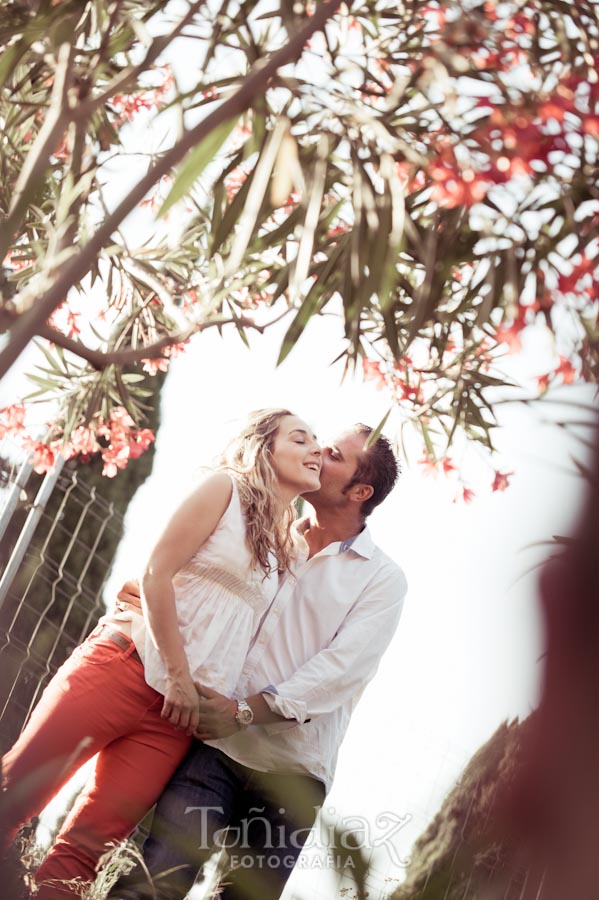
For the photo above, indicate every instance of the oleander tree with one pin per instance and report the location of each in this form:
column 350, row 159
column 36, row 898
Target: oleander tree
column 425, row 171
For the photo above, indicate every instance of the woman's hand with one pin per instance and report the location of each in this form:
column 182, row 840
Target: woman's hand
column 181, row 703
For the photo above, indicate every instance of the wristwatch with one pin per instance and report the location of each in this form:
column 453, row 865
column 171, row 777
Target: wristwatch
column 244, row 715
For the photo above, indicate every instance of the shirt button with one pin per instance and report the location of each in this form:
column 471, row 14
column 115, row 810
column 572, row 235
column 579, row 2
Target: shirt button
column 276, row 610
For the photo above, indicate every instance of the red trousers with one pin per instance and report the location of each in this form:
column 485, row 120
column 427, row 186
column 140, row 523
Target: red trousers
column 97, row 703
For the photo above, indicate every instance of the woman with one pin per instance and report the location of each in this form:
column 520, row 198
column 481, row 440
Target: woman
column 127, row 693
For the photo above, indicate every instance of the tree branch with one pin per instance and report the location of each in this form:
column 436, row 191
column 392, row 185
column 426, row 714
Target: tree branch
column 100, row 359
column 158, row 46
column 39, row 310
column 36, row 161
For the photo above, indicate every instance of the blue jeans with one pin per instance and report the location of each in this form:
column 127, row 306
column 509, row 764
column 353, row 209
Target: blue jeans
column 262, row 818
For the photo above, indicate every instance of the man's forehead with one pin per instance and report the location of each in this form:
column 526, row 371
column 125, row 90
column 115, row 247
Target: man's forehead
column 351, row 441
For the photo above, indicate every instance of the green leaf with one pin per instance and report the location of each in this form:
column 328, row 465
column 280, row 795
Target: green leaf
column 196, row 161
column 314, row 301
column 375, row 435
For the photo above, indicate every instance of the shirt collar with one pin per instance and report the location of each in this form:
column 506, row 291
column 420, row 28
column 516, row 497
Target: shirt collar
column 360, row 543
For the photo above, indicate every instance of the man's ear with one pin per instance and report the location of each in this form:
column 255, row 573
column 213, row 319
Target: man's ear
column 359, row 493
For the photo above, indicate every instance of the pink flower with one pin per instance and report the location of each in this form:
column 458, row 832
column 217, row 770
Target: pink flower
column 510, row 333
column 566, row 370
column 125, row 442
column 454, row 186
column 151, row 366
column 233, row 182
column 83, row 440
column 543, row 382
column 14, row 419
column 43, row 455
column 501, row 481
column 66, row 321
column 372, row 372
column 428, row 463
column 140, row 442
column 15, row 262
column 114, row 458
column 336, row 230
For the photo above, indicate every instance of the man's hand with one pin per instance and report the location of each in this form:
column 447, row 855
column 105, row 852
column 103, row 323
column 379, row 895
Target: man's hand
column 129, row 597
column 217, row 715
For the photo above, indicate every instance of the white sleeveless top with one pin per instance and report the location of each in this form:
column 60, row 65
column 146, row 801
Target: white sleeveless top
column 220, row 599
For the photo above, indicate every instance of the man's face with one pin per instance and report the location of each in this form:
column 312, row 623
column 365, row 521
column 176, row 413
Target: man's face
column 339, row 462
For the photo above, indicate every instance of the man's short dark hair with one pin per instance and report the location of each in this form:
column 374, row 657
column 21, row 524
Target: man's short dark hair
column 378, row 467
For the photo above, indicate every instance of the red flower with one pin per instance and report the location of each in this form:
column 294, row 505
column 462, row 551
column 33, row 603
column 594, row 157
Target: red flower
column 510, row 334
column 15, row 262
column 543, row 382
column 590, row 125
column 566, row 370
column 128, row 105
column 465, row 494
column 432, row 466
column 372, row 372
column 336, row 230
column 140, row 442
column 501, row 481
column 454, row 186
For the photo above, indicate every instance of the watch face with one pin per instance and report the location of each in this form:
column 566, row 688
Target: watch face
column 244, row 716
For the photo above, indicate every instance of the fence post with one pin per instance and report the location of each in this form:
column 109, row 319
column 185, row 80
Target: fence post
column 31, row 523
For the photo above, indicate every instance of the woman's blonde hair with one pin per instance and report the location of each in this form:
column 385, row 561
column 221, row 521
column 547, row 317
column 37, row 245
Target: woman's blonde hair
column 248, row 458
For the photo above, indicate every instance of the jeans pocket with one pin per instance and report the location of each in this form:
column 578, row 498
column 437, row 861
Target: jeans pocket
column 97, row 650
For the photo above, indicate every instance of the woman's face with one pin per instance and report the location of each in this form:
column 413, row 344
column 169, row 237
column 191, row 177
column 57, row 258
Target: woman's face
column 296, row 456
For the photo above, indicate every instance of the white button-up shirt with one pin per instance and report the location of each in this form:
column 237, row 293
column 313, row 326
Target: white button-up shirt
column 317, row 647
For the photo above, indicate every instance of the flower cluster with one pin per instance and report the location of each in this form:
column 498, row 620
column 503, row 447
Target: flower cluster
column 127, row 106
column 66, row 320
column 445, row 465
column 124, row 440
column 161, row 364
column 117, row 439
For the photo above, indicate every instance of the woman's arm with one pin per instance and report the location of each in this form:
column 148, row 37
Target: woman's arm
column 191, row 525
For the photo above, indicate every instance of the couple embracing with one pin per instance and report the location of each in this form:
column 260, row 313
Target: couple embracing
column 225, row 691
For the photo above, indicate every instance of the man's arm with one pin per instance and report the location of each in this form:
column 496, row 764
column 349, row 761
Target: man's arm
column 336, row 674
column 341, row 671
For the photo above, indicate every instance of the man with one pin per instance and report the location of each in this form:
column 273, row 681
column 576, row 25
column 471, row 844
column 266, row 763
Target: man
column 272, row 751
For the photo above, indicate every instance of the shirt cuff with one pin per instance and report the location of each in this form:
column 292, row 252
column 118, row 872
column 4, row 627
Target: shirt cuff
column 294, row 711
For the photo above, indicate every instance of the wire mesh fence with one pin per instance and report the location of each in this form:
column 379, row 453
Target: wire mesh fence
column 59, row 537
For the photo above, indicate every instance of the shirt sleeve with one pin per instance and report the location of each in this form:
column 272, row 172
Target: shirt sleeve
column 341, row 671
